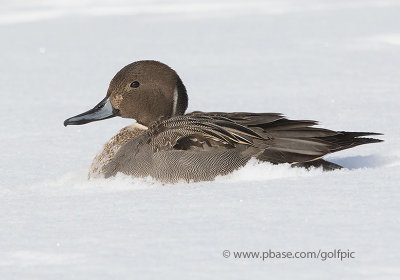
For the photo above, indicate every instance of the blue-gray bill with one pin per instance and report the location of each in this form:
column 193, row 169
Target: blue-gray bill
column 103, row 110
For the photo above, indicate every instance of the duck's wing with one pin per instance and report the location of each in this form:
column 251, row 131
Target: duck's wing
column 269, row 136
column 293, row 140
column 201, row 132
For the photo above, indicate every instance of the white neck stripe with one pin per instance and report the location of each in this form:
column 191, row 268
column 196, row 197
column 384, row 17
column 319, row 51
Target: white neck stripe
column 175, row 101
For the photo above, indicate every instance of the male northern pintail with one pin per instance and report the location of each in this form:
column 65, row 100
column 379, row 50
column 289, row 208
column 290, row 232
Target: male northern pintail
column 169, row 145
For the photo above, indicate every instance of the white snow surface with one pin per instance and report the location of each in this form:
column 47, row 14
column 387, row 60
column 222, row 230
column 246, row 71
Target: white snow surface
column 333, row 61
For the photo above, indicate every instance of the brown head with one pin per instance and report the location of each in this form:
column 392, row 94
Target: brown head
column 143, row 90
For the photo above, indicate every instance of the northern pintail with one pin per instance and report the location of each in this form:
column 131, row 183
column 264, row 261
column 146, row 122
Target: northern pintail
column 169, row 145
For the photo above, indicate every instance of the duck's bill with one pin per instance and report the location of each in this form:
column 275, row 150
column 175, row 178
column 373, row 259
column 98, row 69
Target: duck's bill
column 103, row 110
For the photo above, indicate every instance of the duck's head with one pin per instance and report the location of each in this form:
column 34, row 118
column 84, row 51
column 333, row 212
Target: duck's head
column 143, row 90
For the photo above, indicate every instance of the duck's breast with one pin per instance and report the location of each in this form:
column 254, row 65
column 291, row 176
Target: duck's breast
column 111, row 148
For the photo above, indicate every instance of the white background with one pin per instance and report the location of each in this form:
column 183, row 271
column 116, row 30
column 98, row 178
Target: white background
column 333, row 61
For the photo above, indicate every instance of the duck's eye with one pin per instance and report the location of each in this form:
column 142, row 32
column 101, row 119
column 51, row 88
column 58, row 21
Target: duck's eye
column 135, row 84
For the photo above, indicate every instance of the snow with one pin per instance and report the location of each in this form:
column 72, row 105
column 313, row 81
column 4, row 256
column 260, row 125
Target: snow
column 333, row 61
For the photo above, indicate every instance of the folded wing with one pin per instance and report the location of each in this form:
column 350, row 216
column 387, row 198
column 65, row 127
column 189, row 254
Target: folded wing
column 269, row 136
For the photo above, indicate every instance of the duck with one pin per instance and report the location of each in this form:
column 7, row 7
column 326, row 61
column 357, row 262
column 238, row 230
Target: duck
column 170, row 145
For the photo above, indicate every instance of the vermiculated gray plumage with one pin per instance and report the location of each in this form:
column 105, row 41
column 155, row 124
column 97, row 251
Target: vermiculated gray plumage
column 200, row 146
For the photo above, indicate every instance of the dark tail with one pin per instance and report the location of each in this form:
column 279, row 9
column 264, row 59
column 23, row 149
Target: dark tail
column 299, row 141
column 345, row 140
